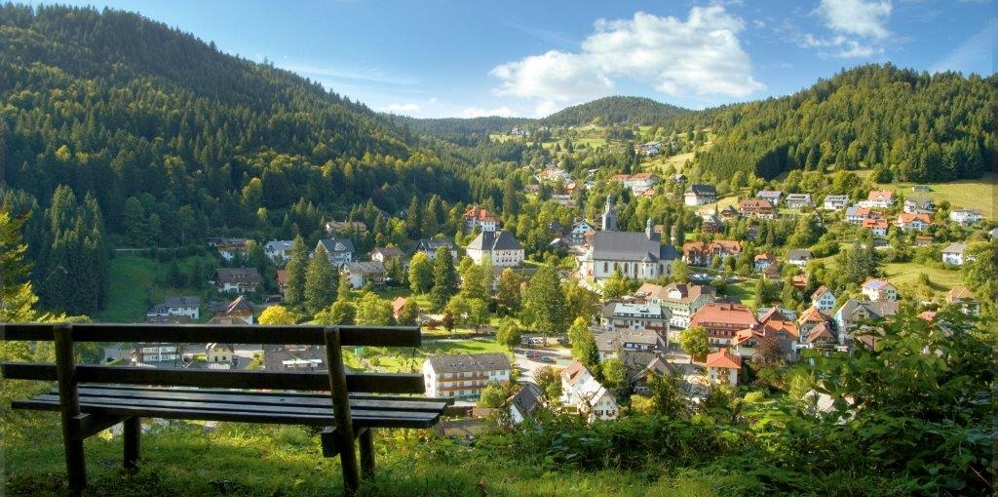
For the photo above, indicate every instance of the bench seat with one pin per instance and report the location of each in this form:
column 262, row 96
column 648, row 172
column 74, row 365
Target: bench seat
column 315, row 409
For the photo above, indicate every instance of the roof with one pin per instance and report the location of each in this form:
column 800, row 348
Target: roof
column 820, row 292
column 875, row 223
column 880, row 194
column 701, row 190
column 495, row 240
column 638, row 310
column 800, row 254
column 479, row 214
column 858, row 211
column 174, row 301
column 820, row 332
column 756, row 204
column 657, row 365
column 737, row 314
column 799, row 196
column 387, row 252
column 836, row 198
column 239, row 306
column 247, row 275
column 527, row 398
column 364, row 268
column 955, row 248
column 959, row 293
column 651, row 291
column 432, row 244
column 775, row 313
column 812, row 315
column 878, row 309
column 769, row 194
column 282, row 277
column 397, row 304
column 629, row 246
column 876, row 284
column 905, row 218
column 333, row 245
column 279, row 245
column 765, row 256
column 461, row 363
column 723, row 359
column 574, row 372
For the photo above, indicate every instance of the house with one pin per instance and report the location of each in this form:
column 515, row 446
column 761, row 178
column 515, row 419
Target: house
column 853, row 312
column 680, row 178
column 823, row 299
column 723, row 321
column 611, row 344
column 918, row 222
column 173, row 306
column 723, row 368
column 921, row 189
column 635, row 255
column 954, row 253
column 711, row 224
column 363, row 273
column 649, row 149
column 524, row 403
column 385, row 255
column 879, row 227
column 877, row 289
column 397, row 306
column 835, row 202
column 638, row 183
column 729, row 213
column 278, row 251
column 821, row 337
column 680, row 300
column 335, row 227
column 632, row 316
column 429, row 247
column 799, row 201
column 782, row 335
column 923, row 240
column 294, row 358
column 809, row 320
column 965, row 216
column 700, row 195
column 219, row 353
column 658, row 366
column 701, row 253
column 965, row 299
column 580, row 389
column 500, row 247
column 917, row 205
column 579, row 231
column 799, row 257
column 156, row 353
column 763, row 260
column 229, row 248
column 880, row 198
column 773, row 196
column 771, row 272
column 464, row 376
column 339, row 250
column 758, row 207
column 237, row 280
column 237, row 312
column 856, row 214
column 282, row 280
column 481, row 218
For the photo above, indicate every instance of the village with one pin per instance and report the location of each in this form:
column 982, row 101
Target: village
column 685, row 311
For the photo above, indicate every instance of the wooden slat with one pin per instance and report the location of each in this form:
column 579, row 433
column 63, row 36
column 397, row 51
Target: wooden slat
column 357, row 382
column 261, row 398
column 202, row 411
column 375, row 336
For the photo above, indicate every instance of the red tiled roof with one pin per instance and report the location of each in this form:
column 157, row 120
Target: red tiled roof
column 736, row 314
column 880, row 194
column 723, row 359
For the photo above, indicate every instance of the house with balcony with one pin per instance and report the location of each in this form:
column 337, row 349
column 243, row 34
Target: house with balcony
column 701, row 253
column 339, row 250
column 773, row 196
column 481, row 218
column 954, row 253
column 360, row 274
column 857, row 214
column 581, row 390
column 429, row 247
column 799, row 201
column 500, row 247
column 882, row 199
column 723, row 321
column 759, row 208
column 278, row 251
column 823, row 299
column 918, row 222
column 681, row 300
column 237, row 280
column 700, row 195
column 175, row 306
column 918, row 205
column 799, row 257
column 962, row 297
column 464, row 376
column 635, row 316
column 879, row 227
column 835, row 202
column 880, row 289
column 723, row 368
column 965, row 217
column 614, row 343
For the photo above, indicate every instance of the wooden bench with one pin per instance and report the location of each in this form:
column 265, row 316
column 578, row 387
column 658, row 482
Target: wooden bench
column 92, row 398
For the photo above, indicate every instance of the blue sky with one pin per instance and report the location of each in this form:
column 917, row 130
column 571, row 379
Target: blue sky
column 466, row 58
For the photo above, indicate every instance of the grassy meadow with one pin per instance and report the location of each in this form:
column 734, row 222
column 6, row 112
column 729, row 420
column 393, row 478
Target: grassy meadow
column 136, row 285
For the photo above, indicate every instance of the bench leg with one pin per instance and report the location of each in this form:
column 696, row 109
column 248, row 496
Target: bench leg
column 132, row 428
column 76, row 466
column 367, row 452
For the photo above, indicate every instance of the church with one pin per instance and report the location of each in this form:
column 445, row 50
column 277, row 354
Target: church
column 637, row 255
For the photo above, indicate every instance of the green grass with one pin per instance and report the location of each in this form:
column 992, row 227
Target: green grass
column 975, row 194
column 942, row 280
column 133, row 288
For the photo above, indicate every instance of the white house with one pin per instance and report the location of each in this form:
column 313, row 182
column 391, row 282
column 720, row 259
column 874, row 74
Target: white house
column 481, row 218
column 799, row 200
column 823, row 299
column 621, row 316
column 362, row 273
column 918, row 222
column 524, row 402
column 463, row 376
column 278, row 250
column 429, row 247
column 953, row 254
column 700, row 195
column 880, row 290
column 679, row 299
column 579, row 230
column 774, row 196
column 879, row 198
column 835, row 202
column 723, row 368
column 800, row 257
column 965, row 216
column 339, row 250
column 501, row 247
column 580, row 389
column 915, row 205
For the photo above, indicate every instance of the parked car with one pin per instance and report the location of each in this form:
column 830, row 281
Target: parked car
column 547, row 359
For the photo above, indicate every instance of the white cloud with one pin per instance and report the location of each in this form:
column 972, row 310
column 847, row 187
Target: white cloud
column 856, row 17
column 840, row 47
column 407, row 108
column 480, row 112
column 701, row 56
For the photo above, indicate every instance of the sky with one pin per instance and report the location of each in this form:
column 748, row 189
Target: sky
column 528, row 58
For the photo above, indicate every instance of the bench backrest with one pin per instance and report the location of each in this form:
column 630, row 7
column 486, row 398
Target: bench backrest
column 380, row 336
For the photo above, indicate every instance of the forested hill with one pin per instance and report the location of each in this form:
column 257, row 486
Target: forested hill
column 615, row 111
column 914, row 126
column 461, row 131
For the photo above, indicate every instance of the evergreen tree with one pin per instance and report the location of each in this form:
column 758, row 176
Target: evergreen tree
column 294, row 290
column 320, row 282
column 544, row 303
column 17, row 298
column 444, row 279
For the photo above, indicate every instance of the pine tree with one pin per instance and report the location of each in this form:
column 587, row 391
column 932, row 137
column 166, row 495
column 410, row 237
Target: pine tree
column 544, row 303
column 444, row 279
column 294, row 290
column 320, row 282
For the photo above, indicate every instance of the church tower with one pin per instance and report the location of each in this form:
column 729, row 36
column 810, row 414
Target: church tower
column 609, row 215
